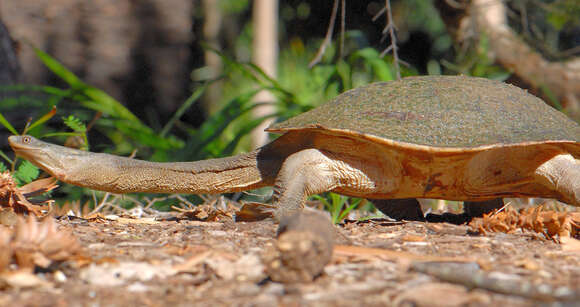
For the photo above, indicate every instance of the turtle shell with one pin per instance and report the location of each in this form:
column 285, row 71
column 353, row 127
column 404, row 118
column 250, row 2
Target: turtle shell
column 441, row 112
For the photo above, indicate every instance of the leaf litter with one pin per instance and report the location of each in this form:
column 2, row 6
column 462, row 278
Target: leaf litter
column 16, row 199
column 550, row 224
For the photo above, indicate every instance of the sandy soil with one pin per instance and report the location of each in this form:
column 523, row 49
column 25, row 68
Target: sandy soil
column 174, row 260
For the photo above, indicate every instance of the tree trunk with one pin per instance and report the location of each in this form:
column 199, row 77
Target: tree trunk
column 9, row 67
column 265, row 55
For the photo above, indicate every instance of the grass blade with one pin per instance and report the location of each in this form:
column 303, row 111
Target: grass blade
column 42, row 119
column 184, row 107
column 3, row 155
column 101, row 101
column 213, row 128
column 7, row 125
column 58, row 69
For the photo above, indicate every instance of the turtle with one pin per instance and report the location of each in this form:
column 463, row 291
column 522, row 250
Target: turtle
column 442, row 137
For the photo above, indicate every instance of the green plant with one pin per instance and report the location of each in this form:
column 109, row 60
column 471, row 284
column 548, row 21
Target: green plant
column 297, row 89
column 83, row 99
column 339, row 206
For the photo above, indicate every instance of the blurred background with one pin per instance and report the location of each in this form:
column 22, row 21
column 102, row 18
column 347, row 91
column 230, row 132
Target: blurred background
column 187, row 80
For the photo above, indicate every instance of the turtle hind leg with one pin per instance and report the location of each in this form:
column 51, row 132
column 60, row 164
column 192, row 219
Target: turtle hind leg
column 561, row 174
column 400, row 209
column 471, row 209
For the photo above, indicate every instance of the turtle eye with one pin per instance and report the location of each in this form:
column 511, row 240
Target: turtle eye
column 26, row 139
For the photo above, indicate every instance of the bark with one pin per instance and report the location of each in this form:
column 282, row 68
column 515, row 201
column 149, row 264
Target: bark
column 466, row 20
column 9, row 67
column 512, row 52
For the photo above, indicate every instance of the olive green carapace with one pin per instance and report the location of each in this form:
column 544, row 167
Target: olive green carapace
column 440, row 111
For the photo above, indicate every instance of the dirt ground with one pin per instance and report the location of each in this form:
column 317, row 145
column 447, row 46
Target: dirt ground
column 176, row 260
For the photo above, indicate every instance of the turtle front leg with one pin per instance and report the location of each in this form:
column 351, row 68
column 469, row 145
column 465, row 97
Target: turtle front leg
column 305, row 237
column 561, row 174
column 302, row 174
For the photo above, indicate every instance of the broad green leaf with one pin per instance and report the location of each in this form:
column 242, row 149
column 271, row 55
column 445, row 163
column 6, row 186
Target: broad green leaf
column 371, row 57
column 26, row 172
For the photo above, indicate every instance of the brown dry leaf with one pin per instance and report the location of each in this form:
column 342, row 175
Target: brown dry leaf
column 549, row 223
column 38, row 187
column 203, row 212
column 14, row 197
column 253, row 211
column 74, row 208
column 40, row 243
column 22, row 280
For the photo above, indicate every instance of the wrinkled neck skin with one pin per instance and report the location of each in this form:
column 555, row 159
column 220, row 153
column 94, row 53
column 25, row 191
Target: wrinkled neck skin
column 117, row 174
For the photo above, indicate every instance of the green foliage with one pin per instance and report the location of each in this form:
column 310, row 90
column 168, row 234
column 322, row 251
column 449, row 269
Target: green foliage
column 26, row 172
column 339, row 206
column 563, row 13
column 296, row 89
column 476, row 62
column 82, row 98
column 75, row 124
column 3, row 167
column 7, row 125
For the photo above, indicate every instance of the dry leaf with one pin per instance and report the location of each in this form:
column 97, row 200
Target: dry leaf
column 22, row 279
column 548, row 223
column 203, row 212
column 33, row 243
column 14, row 197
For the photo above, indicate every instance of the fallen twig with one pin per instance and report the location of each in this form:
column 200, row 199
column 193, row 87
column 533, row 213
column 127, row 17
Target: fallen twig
column 472, row 277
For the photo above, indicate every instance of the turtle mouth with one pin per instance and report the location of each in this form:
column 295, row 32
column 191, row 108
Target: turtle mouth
column 21, row 149
column 36, row 155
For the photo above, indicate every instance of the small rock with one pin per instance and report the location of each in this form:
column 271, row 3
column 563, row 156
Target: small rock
column 137, row 287
column 59, row 276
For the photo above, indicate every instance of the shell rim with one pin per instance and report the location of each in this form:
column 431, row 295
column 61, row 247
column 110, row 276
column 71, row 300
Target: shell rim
column 417, row 147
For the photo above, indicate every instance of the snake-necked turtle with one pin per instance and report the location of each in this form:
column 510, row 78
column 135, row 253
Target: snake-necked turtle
column 444, row 137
